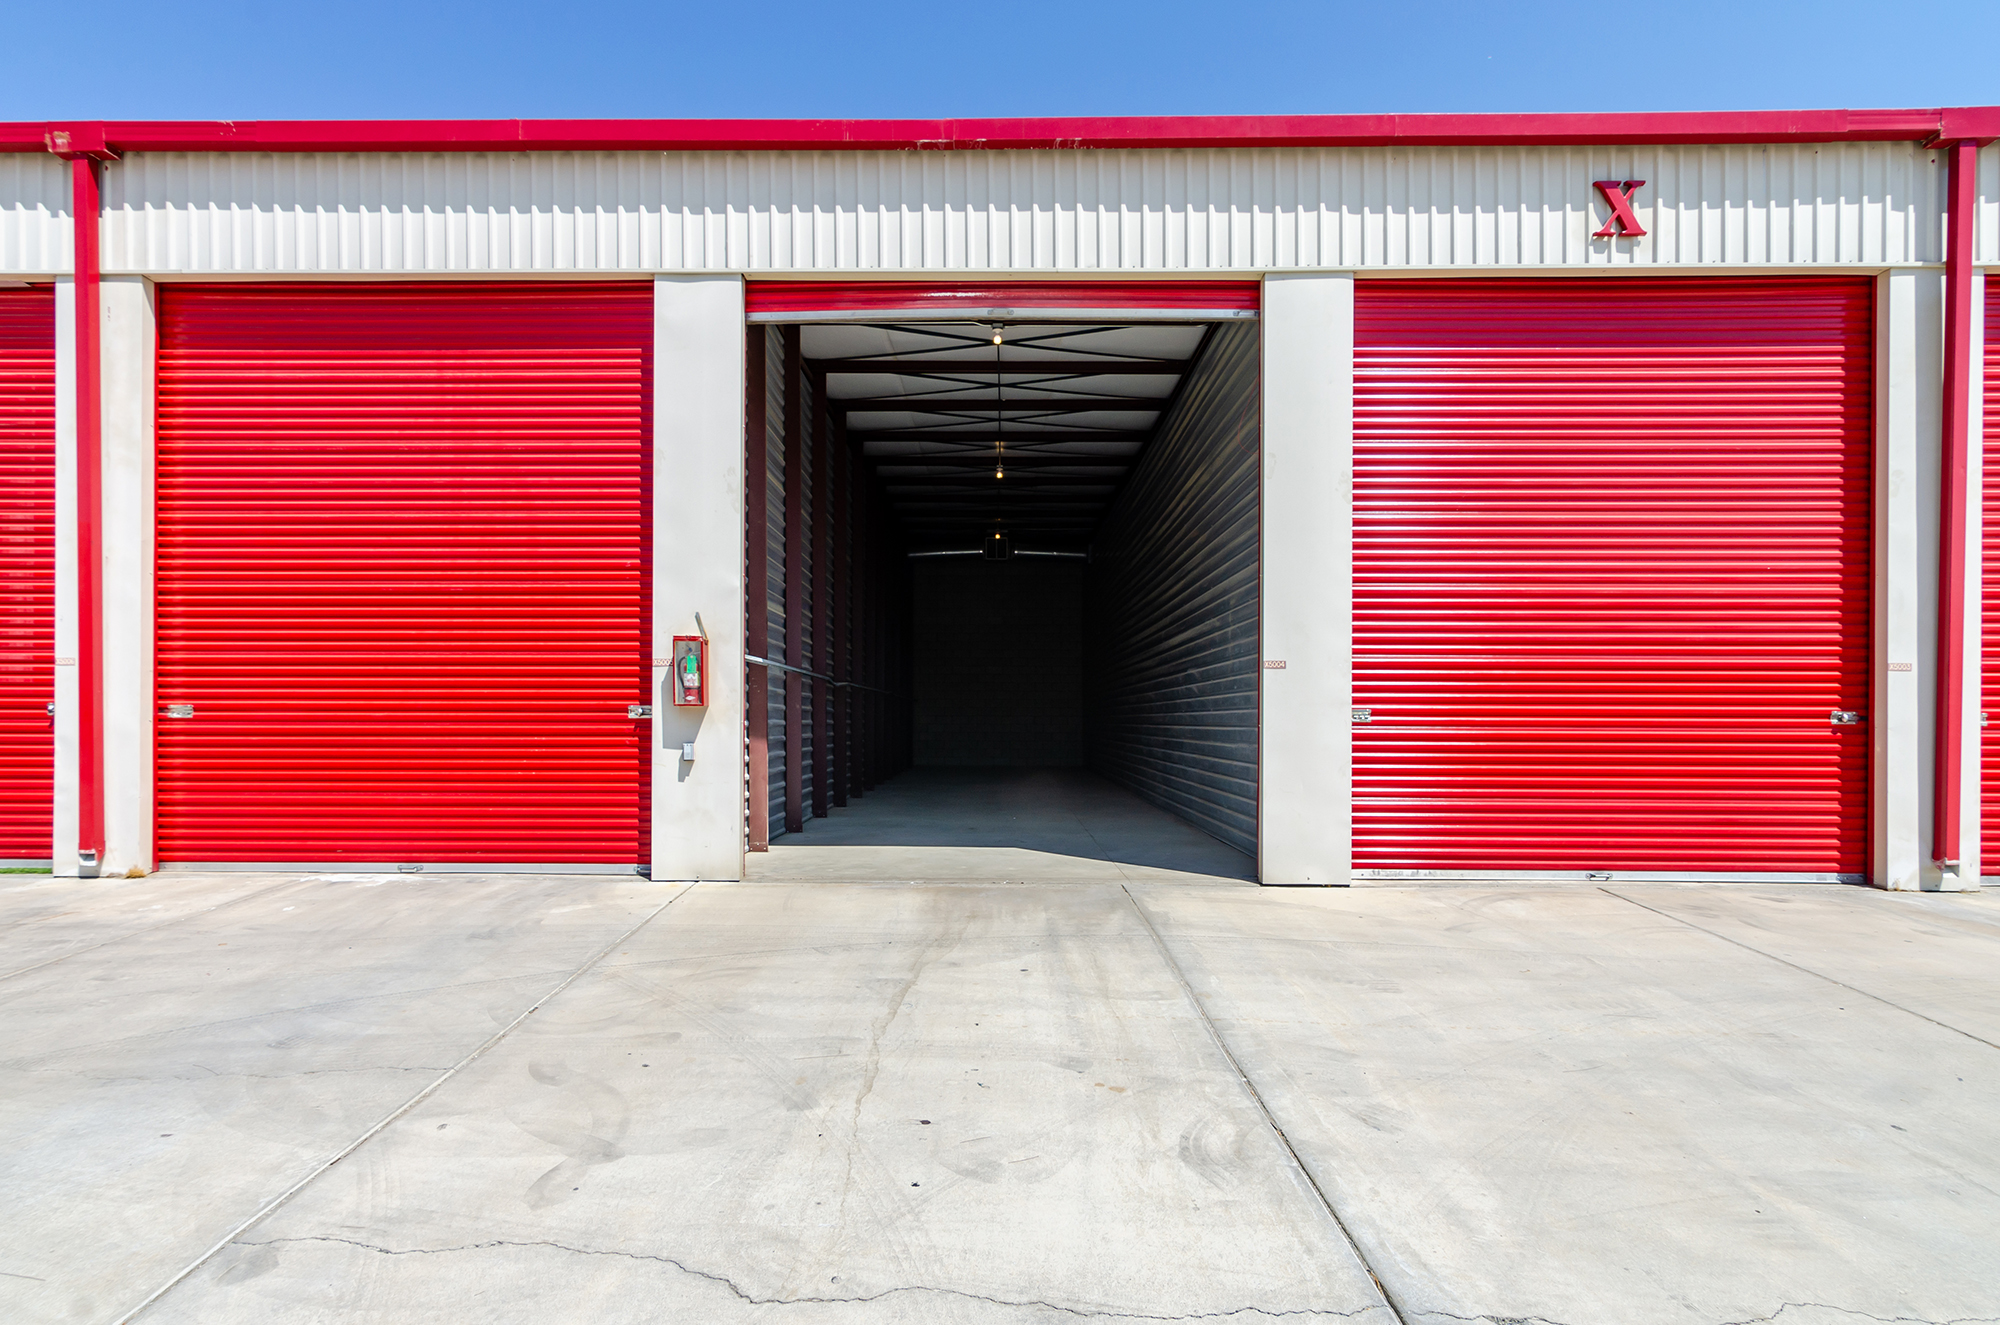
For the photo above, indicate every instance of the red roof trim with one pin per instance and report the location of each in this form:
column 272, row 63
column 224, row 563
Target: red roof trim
column 776, row 297
column 1980, row 122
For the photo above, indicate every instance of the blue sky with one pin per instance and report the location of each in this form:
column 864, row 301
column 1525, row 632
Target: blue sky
column 373, row 60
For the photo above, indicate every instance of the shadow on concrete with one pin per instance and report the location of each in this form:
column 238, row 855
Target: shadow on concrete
column 1016, row 825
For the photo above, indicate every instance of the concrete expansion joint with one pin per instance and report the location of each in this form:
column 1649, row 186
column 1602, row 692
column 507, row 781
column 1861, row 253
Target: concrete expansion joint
column 1389, row 1303
column 1817, row 975
column 308, row 1072
column 149, row 929
column 436, row 1084
column 736, row 1290
column 1775, row 1318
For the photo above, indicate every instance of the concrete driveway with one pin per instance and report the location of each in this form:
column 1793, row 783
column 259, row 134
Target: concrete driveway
column 373, row 1099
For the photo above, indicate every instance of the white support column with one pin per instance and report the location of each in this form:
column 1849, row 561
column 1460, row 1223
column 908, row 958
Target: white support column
column 1305, row 818
column 128, row 378
column 67, row 697
column 697, row 807
column 1975, row 460
column 1902, row 709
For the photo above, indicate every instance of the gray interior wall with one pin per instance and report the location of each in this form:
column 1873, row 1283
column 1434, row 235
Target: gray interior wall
column 998, row 652
column 774, row 557
column 1171, row 686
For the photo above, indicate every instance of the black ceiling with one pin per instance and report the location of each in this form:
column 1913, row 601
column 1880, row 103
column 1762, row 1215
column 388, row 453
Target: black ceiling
column 1066, row 408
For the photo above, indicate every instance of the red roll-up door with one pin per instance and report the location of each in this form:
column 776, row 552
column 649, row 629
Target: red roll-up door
column 1989, row 593
column 27, row 570
column 402, row 573
column 1611, row 575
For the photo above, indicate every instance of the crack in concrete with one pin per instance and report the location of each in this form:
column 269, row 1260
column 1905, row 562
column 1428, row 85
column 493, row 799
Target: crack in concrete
column 928, row 955
column 1389, row 1300
column 1860, row 1315
column 268, row 1208
column 751, row 1299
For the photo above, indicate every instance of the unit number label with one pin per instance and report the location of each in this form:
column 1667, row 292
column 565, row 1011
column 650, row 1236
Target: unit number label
column 1274, row 664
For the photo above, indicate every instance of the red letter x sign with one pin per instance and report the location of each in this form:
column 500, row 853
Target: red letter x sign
column 1619, row 194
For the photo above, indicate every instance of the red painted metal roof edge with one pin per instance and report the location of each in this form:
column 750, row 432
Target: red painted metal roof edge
column 1692, row 127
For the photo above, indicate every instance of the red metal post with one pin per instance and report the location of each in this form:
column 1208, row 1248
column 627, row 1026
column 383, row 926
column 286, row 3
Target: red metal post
column 87, row 205
column 796, row 755
column 756, row 594
column 1962, row 193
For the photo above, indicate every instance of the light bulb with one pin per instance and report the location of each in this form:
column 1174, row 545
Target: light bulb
column 998, row 472
column 996, row 336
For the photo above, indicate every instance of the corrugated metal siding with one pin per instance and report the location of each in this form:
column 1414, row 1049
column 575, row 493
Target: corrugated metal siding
column 806, row 765
column 27, row 570
column 789, row 414
column 402, row 572
column 774, row 560
column 1171, row 607
column 1611, row 574
column 36, row 234
column 1139, row 210
column 1986, row 241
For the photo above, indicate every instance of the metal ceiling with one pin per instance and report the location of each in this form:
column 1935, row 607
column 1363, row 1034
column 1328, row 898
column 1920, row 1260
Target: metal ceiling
column 1064, row 409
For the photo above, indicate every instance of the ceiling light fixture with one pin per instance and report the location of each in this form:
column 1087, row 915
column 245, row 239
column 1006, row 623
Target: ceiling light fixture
column 999, row 412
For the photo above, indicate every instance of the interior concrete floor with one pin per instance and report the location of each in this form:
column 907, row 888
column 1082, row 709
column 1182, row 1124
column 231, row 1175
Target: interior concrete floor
column 999, row 825
column 404, row 1098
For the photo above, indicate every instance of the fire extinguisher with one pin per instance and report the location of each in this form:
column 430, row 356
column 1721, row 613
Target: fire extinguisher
column 691, row 677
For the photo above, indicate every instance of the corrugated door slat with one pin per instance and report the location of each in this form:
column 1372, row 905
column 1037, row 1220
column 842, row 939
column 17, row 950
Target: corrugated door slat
column 1171, row 708
column 27, row 569
column 1611, row 574
column 403, row 574
column 1989, row 591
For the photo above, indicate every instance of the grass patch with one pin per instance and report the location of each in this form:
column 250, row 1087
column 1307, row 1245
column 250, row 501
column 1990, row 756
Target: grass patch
column 23, row 869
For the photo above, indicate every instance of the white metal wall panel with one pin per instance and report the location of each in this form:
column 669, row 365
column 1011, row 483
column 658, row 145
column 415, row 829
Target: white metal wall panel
column 1986, row 237
column 35, row 231
column 1867, row 204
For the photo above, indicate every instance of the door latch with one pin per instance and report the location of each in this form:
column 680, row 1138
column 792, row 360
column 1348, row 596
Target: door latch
column 1364, row 715
column 637, row 711
column 180, row 710
column 1847, row 717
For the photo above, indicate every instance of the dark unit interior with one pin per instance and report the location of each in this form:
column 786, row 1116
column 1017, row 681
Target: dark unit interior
column 997, row 663
column 1023, row 545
